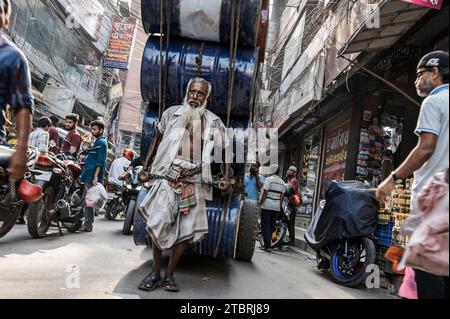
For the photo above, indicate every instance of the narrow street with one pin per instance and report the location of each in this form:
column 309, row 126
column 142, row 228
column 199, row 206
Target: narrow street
column 111, row 266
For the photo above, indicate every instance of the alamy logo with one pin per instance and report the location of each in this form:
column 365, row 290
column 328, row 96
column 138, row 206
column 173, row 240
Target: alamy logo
column 373, row 279
column 433, row 62
column 373, row 12
column 73, row 278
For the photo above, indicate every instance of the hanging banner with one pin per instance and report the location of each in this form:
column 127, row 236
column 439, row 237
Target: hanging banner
column 435, row 4
column 335, row 157
column 120, row 43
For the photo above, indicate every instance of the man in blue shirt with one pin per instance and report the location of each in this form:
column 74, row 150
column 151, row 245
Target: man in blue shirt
column 253, row 182
column 94, row 169
column 15, row 92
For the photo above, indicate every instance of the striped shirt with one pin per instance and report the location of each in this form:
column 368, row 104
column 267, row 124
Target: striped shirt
column 15, row 81
column 39, row 138
column 275, row 187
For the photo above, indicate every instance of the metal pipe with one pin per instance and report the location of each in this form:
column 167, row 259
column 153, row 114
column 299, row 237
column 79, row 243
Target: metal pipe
column 396, row 88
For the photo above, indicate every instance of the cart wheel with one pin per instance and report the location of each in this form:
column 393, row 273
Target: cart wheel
column 248, row 229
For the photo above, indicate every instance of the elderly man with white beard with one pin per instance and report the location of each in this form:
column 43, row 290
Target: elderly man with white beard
column 175, row 208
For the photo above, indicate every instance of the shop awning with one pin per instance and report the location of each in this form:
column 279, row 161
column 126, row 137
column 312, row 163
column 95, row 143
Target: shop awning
column 396, row 17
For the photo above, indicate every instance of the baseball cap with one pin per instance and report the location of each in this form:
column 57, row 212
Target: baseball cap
column 436, row 59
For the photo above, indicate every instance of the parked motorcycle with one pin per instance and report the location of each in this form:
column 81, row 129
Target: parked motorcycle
column 132, row 188
column 58, row 176
column 114, row 205
column 342, row 232
column 13, row 196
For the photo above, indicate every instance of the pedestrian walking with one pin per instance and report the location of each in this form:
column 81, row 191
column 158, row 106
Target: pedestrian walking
column 431, row 155
column 15, row 92
column 94, row 169
column 175, row 208
column 39, row 138
column 72, row 141
column 271, row 205
column 295, row 200
column 253, row 182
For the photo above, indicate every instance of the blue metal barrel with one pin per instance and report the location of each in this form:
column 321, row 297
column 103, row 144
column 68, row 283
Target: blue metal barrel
column 207, row 20
column 223, row 212
column 214, row 67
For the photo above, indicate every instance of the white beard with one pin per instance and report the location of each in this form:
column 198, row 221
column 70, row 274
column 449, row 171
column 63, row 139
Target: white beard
column 193, row 114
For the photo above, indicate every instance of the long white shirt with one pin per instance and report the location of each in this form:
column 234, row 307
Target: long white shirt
column 172, row 126
column 116, row 170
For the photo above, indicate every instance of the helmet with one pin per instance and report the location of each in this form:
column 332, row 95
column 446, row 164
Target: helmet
column 129, row 154
column 29, row 192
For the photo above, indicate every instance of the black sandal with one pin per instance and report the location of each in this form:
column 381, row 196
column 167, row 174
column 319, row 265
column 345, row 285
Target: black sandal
column 169, row 284
column 150, row 283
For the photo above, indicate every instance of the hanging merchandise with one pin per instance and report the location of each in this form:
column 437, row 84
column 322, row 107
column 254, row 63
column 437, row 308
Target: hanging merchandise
column 379, row 140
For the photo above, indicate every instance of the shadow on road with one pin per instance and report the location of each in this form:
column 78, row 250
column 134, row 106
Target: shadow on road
column 194, row 273
column 21, row 243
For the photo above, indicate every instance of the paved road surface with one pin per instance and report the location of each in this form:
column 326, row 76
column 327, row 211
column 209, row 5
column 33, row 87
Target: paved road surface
column 111, row 266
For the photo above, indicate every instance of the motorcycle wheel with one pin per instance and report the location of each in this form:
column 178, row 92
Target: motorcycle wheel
column 39, row 218
column 129, row 217
column 8, row 223
column 111, row 211
column 351, row 271
column 278, row 235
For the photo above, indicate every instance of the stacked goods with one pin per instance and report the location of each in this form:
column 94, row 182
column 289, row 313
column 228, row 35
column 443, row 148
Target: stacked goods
column 199, row 39
column 209, row 20
column 182, row 66
column 392, row 217
column 370, row 153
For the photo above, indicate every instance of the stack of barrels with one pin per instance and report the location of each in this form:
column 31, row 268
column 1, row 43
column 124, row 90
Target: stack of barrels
column 197, row 38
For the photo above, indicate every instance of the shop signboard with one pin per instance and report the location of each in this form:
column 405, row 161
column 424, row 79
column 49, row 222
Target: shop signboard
column 335, row 155
column 120, row 43
column 434, row 4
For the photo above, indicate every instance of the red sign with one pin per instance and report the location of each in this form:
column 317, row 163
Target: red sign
column 120, row 43
column 335, row 156
column 435, row 4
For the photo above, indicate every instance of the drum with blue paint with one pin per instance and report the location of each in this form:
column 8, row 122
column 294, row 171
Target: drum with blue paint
column 226, row 223
column 182, row 66
column 208, row 20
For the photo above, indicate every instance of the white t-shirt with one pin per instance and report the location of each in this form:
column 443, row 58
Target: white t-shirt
column 433, row 119
column 275, row 187
column 116, row 170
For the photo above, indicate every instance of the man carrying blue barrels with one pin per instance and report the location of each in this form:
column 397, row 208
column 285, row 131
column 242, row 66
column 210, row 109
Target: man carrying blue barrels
column 174, row 208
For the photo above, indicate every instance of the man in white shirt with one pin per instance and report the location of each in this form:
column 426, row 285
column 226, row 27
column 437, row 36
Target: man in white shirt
column 271, row 203
column 431, row 154
column 117, row 167
column 39, row 138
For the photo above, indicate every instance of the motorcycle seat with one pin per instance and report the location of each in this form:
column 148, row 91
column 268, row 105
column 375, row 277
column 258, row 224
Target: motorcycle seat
column 5, row 155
